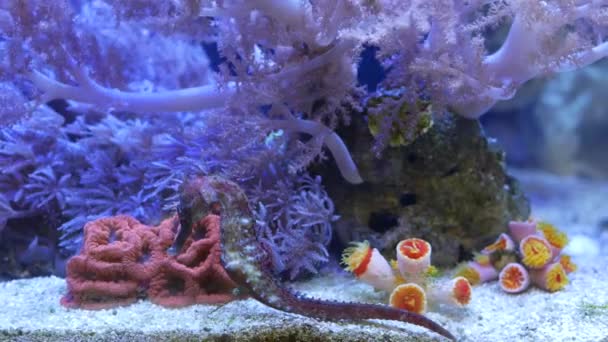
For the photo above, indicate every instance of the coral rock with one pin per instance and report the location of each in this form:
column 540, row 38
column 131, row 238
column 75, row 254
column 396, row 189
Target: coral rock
column 449, row 187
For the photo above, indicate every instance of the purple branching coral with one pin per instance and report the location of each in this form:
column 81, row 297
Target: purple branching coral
column 86, row 86
column 83, row 171
column 295, row 225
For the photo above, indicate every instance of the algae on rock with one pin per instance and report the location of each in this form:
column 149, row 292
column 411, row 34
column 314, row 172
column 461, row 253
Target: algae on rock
column 449, row 186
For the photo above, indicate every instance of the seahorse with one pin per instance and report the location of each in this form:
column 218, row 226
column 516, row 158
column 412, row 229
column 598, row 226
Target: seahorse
column 248, row 261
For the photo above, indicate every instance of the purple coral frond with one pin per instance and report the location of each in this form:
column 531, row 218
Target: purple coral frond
column 44, row 186
column 293, row 219
column 90, row 92
column 334, row 143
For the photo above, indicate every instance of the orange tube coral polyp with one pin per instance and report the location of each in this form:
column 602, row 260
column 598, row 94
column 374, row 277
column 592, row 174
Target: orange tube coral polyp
column 414, row 248
column 535, row 251
column 470, row 273
column 379, row 273
column 369, row 266
column 503, row 243
column 557, row 239
column 521, row 229
column 567, row 263
column 482, row 259
column 477, row 273
column 410, row 297
column 462, row 291
column 357, row 257
column 514, row 278
column 363, row 266
column 413, row 257
column 455, row 292
column 551, row 278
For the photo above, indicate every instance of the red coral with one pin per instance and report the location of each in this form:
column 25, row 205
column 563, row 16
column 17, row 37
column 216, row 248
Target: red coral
column 195, row 275
column 123, row 260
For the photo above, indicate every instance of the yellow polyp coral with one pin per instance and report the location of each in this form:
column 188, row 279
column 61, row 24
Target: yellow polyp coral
column 469, row 273
column 556, row 278
column 399, row 279
column 535, row 251
column 482, row 259
column 503, row 243
column 555, row 237
column 402, row 135
column 567, row 263
column 432, row 272
column 500, row 259
column 356, row 257
column 534, row 260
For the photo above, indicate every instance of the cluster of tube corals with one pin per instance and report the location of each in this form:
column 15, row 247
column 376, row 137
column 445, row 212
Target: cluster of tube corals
column 529, row 254
column 410, row 279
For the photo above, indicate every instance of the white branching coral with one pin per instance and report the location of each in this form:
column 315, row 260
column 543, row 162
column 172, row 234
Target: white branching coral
column 293, row 62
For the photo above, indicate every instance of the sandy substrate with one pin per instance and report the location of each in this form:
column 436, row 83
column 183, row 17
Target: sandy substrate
column 30, row 310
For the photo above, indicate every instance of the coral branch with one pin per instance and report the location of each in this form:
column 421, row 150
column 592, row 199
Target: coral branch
column 188, row 99
column 90, row 92
column 585, row 58
column 334, row 143
column 512, row 64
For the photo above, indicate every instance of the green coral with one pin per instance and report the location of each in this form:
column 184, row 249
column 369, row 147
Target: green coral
column 401, row 133
column 432, row 272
